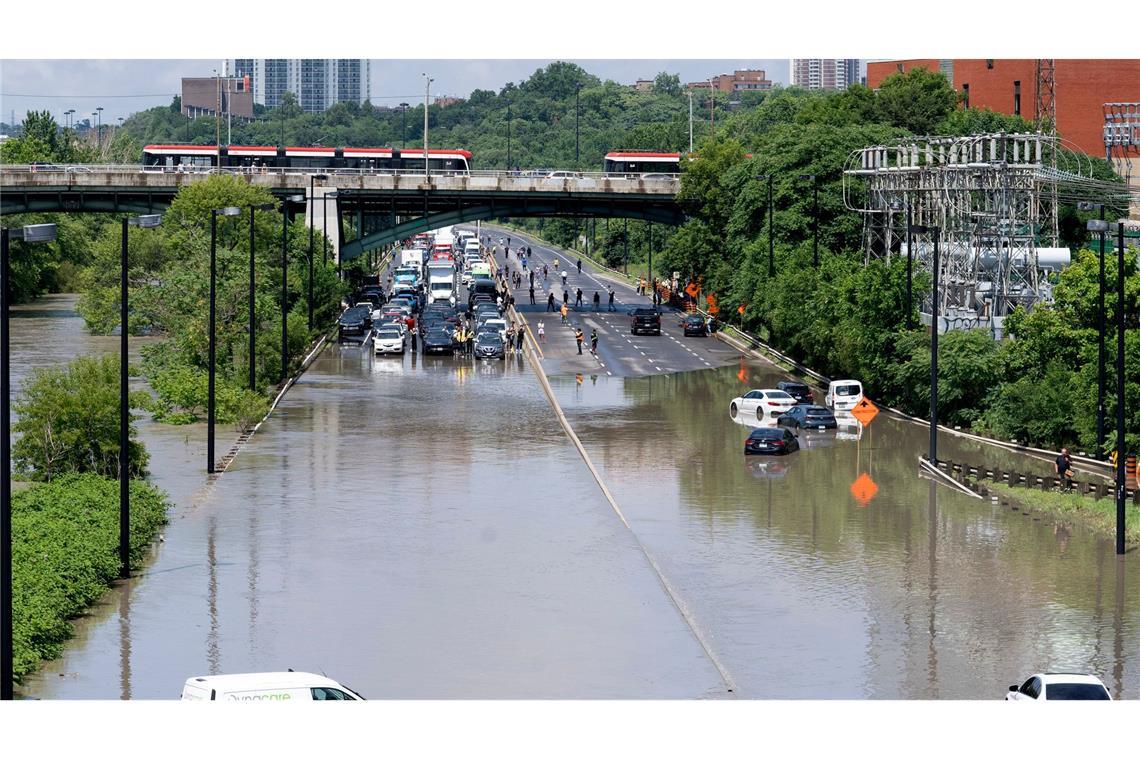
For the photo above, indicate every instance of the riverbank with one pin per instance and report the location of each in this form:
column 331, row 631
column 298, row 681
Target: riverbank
column 1098, row 515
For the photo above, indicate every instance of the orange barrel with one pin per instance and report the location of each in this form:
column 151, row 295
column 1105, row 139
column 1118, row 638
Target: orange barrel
column 1130, row 468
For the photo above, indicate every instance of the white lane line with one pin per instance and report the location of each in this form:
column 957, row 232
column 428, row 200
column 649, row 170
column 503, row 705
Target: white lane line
column 609, row 373
column 657, row 368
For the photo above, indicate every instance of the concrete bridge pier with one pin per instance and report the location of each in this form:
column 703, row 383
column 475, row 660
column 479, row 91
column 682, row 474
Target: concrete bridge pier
column 322, row 214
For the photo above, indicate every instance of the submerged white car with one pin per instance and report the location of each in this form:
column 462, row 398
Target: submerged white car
column 1052, row 687
column 760, row 403
column 388, row 340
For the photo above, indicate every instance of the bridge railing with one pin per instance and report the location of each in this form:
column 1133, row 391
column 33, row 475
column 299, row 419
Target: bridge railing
column 534, row 175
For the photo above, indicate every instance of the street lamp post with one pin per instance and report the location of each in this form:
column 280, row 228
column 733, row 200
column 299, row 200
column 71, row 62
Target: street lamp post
column 814, row 218
column 427, row 96
column 145, row 222
column 32, row 233
column 508, row 135
column 252, row 312
column 690, row 121
column 935, row 233
column 771, row 221
column 99, row 127
column 1101, row 371
column 577, row 91
column 285, row 280
column 210, row 396
column 403, row 125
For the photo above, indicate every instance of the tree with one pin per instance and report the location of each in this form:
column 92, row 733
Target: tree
column 917, row 100
column 667, row 84
column 68, row 421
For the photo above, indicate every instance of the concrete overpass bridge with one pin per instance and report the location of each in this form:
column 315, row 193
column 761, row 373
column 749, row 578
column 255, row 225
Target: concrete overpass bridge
column 381, row 207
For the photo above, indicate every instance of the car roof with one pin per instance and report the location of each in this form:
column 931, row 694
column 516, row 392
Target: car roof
column 275, row 680
column 1051, row 678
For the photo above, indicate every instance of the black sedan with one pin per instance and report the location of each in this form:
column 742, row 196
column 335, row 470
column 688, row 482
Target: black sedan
column 694, row 324
column 439, row 342
column 808, row 416
column 799, row 391
column 771, row 441
column 355, row 324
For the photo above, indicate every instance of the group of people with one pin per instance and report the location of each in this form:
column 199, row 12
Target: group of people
column 464, row 337
column 579, row 337
column 551, row 302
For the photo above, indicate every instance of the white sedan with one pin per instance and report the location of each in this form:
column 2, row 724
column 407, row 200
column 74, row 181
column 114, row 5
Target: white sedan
column 1041, row 687
column 388, row 340
column 760, row 403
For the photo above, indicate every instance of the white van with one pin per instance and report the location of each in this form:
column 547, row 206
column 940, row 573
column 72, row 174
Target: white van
column 843, row 395
column 266, row 687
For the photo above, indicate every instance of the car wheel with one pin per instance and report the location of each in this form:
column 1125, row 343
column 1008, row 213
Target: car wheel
column 733, row 411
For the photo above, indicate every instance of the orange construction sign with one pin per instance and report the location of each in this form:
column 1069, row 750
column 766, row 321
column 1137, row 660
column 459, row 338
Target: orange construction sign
column 740, row 309
column 864, row 489
column 865, row 411
column 692, row 289
column 711, row 300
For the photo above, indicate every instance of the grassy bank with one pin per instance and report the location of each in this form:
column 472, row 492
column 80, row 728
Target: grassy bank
column 1098, row 515
column 65, row 554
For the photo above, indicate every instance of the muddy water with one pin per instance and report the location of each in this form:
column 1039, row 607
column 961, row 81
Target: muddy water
column 412, row 527
column 806, row 587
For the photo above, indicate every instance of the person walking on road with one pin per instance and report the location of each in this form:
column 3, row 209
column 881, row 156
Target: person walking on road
column 528, row 254
column 545, row 273
column 579, row 338
column 1064, row 468
column 550, row 302
column 532, row 278
column 565, row 296
column 510, row 344
column 611, row 306
column 564, row 311
column 578, row 298
column 520, row 334
column 541, row 332
column 579, row 266
column 597, row 301
column 594, row 341
column 556, row 265
column 563, row 278
column 532, row 294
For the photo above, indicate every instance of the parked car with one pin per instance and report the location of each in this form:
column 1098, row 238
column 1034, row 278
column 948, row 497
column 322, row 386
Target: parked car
column 808, row 416
column 761, row 402
column 496, row 323
column 438, row 340
column 266, row 687
column 388, row 339
column 645, row 320
column 694, row 324
column 355, row 324
column 771, row 441
column 844, row 395
column 1041, row 687
column 799, row 391
column 488, row 345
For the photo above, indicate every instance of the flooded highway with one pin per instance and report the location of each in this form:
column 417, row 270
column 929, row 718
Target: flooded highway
column 422, row 528
column 835, row 571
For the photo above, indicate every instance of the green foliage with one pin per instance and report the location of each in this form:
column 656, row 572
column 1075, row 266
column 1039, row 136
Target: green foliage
column 182, row 398
column 65, row 540
column 917, row 100
column 68, row 421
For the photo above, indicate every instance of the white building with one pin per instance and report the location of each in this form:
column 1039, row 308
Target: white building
column 824, row 73
column 318, row 83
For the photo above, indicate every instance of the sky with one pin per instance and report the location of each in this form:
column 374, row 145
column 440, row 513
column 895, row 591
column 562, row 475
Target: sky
column 126, row 86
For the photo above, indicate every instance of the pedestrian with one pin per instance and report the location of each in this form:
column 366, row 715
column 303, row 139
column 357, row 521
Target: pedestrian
column 565, row 296
column 579, row 266
column 597, row 301
column 556, row 265
column 532, row 278
column 541, row 332
column 415, row 342
column 545, row 273
column 532, row 294
column 564, row 311
column 594, row 341
column 510, row 344
column 519, row 338
column 470, row 342
column 578, row 298
column 1064, row 467
column 563, row 278
column 579, row 338
column 611, row 307
column 528, row 254
column 550, row 302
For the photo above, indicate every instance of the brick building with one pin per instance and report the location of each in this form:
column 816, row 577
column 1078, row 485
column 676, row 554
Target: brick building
column 1082, row 86
column 741, row 80
column 200, row 96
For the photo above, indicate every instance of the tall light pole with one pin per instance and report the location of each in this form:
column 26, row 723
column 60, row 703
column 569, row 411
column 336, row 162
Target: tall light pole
column 712, row 107
column 690, row 121
column 508, row 135
column 1101, row 359
column 210, row 396
column 403, row 124
column 252, row 294
column 577, row 91
column 285, row 280
column 935, row 233
column 427, row 94
column 771, row 221
column 147, row 221
column 814, row 217
column 32, row 233
column 99, row 128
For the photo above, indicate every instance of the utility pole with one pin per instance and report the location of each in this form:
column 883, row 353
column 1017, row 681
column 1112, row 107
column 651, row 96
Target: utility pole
column 577, row 91
column 1120, row 448
column 690, row 121
column 218, row 123
column 427, row 95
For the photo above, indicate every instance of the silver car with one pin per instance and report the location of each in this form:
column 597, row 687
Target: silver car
column 387, row 339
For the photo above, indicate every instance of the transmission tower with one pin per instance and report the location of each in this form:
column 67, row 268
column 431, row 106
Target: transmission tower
column 1046, row 117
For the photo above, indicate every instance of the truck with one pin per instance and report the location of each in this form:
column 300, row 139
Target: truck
column 412, row 257
column 441, row 283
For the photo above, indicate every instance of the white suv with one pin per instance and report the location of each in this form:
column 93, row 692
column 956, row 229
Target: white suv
column 1041, row 687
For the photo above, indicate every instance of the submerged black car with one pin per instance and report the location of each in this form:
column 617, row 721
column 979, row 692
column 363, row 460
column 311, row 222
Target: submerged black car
column 488, row 345
column 808, row 416
column 770, row 441
column 644, row 320
column 694, row 324
column 438, row 342
column 799, row 391
column 355, row 323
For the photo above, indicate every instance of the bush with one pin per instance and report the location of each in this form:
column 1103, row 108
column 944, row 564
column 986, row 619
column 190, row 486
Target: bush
column 65, row 553
column 183, row 395
column 69, row 421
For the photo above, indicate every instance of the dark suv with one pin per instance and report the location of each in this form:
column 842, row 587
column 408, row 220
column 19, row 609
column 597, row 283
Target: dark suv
column 799, row 391
column 645, row 320
column 355, row 323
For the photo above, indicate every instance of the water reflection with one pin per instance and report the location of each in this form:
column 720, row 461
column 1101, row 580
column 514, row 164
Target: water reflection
column 835, row 571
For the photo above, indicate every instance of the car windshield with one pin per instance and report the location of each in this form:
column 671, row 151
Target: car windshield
column 846, row 390
column 389, row 334
column 778, row 395
column 644, row 313
column 1075, row 691
column 818, row 411
column 440, row 286
column 794, row 387
column 489, row 339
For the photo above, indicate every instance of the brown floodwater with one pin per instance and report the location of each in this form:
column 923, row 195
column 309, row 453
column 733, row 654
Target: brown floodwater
column 836, row 571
